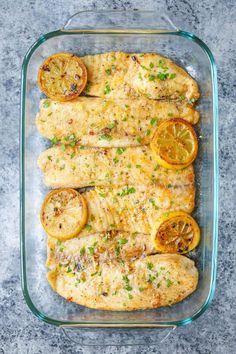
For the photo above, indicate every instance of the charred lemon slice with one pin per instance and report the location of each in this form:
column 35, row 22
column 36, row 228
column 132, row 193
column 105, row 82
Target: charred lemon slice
column 63, row 213
column 62, row 76
column 175, row 144
column 176, row 232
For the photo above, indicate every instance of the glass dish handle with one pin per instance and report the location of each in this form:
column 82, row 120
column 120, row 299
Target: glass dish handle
column 117, row 336
column 120, row 21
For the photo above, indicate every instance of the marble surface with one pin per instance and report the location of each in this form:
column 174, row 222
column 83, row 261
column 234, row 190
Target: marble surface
column 21, row 24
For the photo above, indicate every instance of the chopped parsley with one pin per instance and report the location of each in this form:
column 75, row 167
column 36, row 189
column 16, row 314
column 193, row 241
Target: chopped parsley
column 82, row 251
column 63, row 147
column 46, row 104
column 151, row 278
column 126, row 191
column 72, row 155
column 152, row 201
column 150, row 265
column 162, row 76
column 144, row 67
column 95, row 273
column 108, row 71
column 153, row 122
column 105, row 137
column 140, row 76
column 49, row 158
column 151, row 77
column 117, row 250
column 55, row 140
column 168, row 283
column 107, row 89
column 115, row 160
column 120, row 150
column 105, row 238
column 139, row 139
column 103, row 195
column 126, row 283
column 88, row 227
column 122, row 241
column 111, row 125
column 172, row 76
column 91, row 250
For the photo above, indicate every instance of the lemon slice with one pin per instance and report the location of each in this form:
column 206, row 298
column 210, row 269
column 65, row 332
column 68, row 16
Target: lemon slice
column 175, row 144
column 176, row 232
column 62, row 76
column 64, row 213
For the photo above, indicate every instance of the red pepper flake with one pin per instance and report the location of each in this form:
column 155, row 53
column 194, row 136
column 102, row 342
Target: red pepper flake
column 106, row 130
column 46, row 68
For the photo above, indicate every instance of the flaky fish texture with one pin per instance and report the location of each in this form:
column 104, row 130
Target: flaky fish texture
column 133, row 209
column 150, row 282
column 118, row 74
column 101, row 122
column 77, row 168
column 100, row 247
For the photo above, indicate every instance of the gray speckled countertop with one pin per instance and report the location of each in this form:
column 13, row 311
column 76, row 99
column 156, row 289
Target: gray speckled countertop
column 22, row 21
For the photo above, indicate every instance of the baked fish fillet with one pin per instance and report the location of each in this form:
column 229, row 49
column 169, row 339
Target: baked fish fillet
column 105, row 123
column 78, row 168
column 151, row 75
column 150, row 282
column 100, row 247
column 133, row 209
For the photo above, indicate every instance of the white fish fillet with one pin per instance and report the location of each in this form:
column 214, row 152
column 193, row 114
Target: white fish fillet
column 78, row 168
column 104, row 247
column 133, row 209
column 107, row 123
column 118, row 74
column 150, row 282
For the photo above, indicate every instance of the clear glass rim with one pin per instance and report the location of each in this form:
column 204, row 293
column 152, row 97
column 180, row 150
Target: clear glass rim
column 25, row 291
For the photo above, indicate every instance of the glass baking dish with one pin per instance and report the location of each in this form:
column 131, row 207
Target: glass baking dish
column 132, row 31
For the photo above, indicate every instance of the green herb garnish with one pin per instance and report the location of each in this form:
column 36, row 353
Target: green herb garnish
column 107, row 89
column 108, row 71
column 46, row 104
column 105, row 137
column 168, row 283
column 150, row 266
column 126, row 191
column 120, row 150
column 82, row 251
column 153, row 122
column 88, row 227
